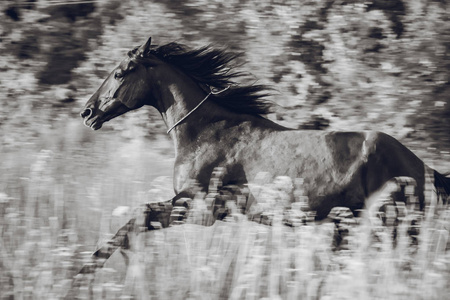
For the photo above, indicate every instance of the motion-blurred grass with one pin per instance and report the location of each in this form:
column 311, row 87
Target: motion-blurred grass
column 56, row 207
column 56, row 202
column 239, row 259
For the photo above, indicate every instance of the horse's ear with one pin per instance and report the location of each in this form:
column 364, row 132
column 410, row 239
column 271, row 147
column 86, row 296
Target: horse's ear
column 145, row 49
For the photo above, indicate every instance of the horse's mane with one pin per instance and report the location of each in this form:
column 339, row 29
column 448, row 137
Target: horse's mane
column 212, row 68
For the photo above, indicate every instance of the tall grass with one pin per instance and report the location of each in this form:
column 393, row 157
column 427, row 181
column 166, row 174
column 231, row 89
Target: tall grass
column 57, row 193
column 56, row 206
column 240, row 259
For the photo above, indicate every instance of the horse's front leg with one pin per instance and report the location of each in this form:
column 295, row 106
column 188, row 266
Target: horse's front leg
column 152, row 216
column 159, row 215
column 119, row 240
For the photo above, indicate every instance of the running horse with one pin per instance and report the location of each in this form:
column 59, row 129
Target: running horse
column 215, row 122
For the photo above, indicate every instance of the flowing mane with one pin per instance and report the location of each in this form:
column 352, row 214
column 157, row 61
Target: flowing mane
column 211, row 68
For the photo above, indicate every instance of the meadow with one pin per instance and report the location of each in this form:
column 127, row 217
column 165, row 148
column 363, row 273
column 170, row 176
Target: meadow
column 57, row 205
column 57, row 193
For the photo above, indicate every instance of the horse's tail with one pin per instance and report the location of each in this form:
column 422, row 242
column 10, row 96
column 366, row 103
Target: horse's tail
column 442, row 184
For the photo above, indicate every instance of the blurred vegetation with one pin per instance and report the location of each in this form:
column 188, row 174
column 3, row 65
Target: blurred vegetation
column 337, row 65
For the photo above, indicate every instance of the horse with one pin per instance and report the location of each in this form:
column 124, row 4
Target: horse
column 216, row 122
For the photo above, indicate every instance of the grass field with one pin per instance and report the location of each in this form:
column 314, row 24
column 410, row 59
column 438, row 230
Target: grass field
column 239, row 259
column 56, row 206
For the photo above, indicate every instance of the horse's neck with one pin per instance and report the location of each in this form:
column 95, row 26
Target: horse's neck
column 177, row 101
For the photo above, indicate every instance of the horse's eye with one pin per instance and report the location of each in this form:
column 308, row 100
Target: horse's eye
column 118, row 75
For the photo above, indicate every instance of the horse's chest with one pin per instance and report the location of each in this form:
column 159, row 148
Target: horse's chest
column 197, row 166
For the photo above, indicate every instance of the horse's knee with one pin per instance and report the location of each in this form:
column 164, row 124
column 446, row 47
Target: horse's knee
column 157, row 214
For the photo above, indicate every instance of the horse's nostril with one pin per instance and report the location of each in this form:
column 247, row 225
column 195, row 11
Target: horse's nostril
column 86, row 113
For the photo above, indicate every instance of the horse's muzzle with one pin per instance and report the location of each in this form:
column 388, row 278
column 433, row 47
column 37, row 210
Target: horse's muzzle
column 90, row 120
column 86, row 113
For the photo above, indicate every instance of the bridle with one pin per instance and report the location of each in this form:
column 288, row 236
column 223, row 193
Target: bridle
column 196, row 107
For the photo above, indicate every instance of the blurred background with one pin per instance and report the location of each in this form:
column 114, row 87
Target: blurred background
column 336, row 65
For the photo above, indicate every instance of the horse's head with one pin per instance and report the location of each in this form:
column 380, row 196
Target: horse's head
column 126, row 88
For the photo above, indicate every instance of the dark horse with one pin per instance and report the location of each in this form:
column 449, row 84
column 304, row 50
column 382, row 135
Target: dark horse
column 215, row 122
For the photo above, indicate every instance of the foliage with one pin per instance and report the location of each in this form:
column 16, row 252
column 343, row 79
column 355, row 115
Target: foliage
column 353, row 63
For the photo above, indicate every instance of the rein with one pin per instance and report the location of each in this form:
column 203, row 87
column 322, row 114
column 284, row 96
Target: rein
column 195, row 108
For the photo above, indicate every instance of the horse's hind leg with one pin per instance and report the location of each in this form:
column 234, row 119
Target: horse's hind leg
column 397, row 209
